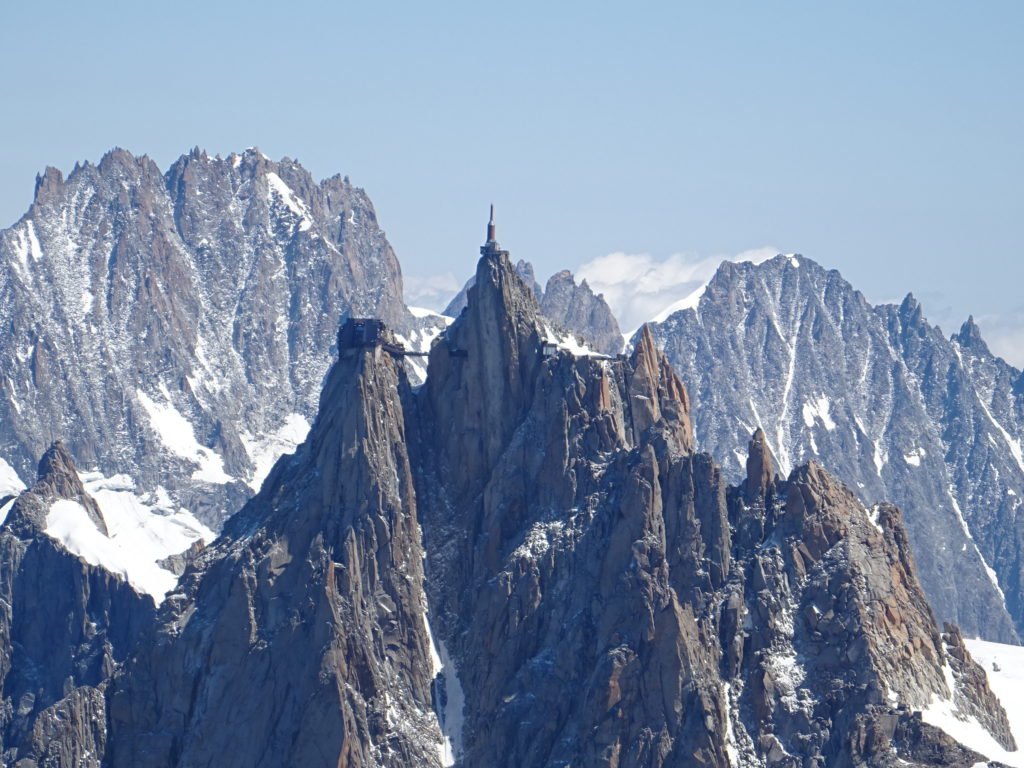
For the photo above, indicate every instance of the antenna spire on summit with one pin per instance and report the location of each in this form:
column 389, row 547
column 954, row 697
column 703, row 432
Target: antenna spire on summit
column 491, row 247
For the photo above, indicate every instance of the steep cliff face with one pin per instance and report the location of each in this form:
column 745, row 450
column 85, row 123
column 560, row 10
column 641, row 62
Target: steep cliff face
column 65, row 625
column 569, row 306
column 299, row 637
column 176, row 328
column 607, row 599
column 883, row 400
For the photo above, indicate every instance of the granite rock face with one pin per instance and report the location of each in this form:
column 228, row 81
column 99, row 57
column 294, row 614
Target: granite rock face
column 609, row 600
column 599, row 595
column 299, row 637
column 65, row 625
column 882, row 399
column 569, row 306
column 577, row 308
column 176, row 327
column 523, row 268
column 522, row 562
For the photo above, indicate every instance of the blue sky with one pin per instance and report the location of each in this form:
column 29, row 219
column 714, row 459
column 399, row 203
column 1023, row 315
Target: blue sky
column 881, row 139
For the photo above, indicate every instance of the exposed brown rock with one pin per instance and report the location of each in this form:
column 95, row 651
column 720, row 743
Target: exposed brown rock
column 304, row 621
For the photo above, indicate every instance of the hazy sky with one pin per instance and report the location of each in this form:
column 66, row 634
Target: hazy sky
column 881, row 139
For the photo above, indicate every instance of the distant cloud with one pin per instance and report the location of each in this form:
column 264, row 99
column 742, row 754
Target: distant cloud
column 1004, row 335
column 430, row 291
column 1003, row 332
column 637, row 286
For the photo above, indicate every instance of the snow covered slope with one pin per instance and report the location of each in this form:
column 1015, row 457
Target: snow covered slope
column 1004, row 666
column 142, row 533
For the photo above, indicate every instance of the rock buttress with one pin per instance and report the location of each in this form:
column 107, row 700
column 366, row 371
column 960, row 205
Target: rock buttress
column 298, row 638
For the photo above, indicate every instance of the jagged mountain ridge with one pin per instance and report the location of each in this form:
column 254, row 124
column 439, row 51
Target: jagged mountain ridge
column 176, row 327
column 580, row 543
column 574, row 542
column 885, row 401
column 305, row 619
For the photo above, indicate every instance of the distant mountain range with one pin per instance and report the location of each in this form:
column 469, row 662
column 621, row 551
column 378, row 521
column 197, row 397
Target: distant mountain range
column 262, row 542
column 586, row 590
column 883, row 399
column 173, row 329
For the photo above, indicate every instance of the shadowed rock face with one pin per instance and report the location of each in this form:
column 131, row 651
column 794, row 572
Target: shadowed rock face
column 610, row 601
column 298, row 638
column 212, row 290
column 64, row 627
column 600, row 595
column 882, row 399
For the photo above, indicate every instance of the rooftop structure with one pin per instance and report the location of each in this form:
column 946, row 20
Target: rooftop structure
column 491, row 247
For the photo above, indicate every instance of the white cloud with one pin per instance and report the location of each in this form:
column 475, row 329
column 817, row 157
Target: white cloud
column 1004, row 335
column 430, row 291
column 638, row 287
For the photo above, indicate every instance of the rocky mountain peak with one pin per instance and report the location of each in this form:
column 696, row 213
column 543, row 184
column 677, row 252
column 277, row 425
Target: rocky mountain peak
column 308, row 612
column 525, row 270
column 57, row 471
column 969, row 337
column 493, row 351
column 47, row 185
column 57, row 479
column 910, row 306
column 577, row 308
column 590, row 539
column 522, row 268
column 67, row 623
column 567, row 305
column 572, row 540
column 760, row 473
column 657, row 394
column 882, row 398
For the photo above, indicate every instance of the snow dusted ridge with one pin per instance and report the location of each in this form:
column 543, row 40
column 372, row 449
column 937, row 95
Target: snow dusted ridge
column 176, row 327
column 143, row 530
column 894, row 408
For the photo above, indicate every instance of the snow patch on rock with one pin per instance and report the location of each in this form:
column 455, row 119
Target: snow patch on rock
column 276, row 186
column 265, row 450
column 569, row 342
column 913, row 458
column 818, row 409
column 10, row 483
column 141, row 532
column 177, row 434
column 1004, row 666
column 450, row 717
column 943, row 713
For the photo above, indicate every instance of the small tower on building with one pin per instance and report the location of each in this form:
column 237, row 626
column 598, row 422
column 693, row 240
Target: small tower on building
column 491, row 247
